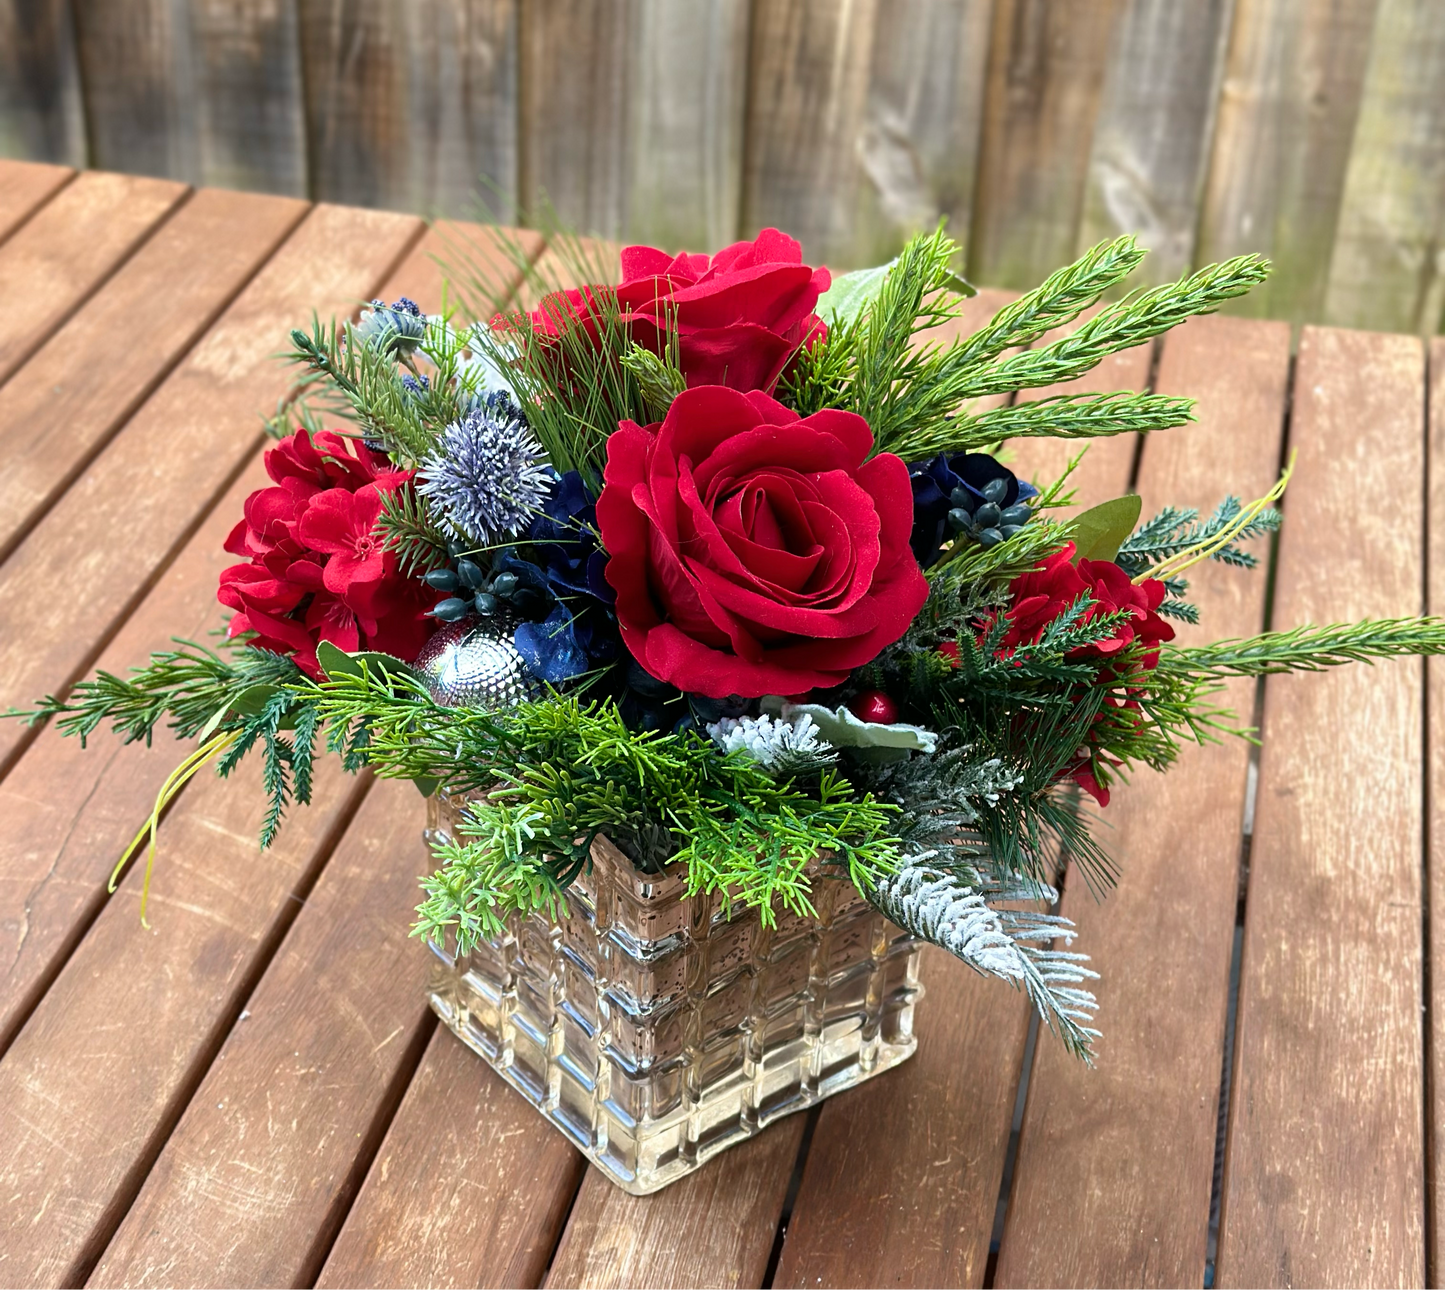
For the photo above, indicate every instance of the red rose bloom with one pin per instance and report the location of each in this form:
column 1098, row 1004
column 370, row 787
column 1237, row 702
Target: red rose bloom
column 753, row 551
column 740, row 315
column 1043, row 594
column 316, row 570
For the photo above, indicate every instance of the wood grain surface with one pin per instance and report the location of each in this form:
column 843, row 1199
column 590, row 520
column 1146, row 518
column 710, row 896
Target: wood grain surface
column 187, row 443
column 1282, row 137
column 714, row 1227
column 1046, row 69
column 25, row 186
column 903, row 1172
column 1112, row 1185
column 1323, row 1180
column 90, row 376
column 254, row 1181
column 42, row 115
column 1152, row 136
column 1385, row 268
column 68, row 248
column 471, row 1187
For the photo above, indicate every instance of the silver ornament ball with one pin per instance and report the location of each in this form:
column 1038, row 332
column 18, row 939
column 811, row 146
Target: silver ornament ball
column 474, row 664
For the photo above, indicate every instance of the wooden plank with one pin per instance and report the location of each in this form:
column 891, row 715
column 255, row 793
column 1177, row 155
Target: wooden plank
column 1112, row 1183
column 1324, row 1177
column 68, row 248
column 1108, row 462
column 187, row 443
column 1046, row 70
column 253, row 1183
column 102, row 1069
column 25, row 186
column 1282, row 138
column 91, row 375
column 1435, row 818
column 1151, row 139
column 209, row 91
column 41, row 114
column 412, row 106
column 903, row 1173
column 55, row 859
column 1386, row 270
column 686, row 117
column 864, row 122
column 712, row 1228
column 491, row 1217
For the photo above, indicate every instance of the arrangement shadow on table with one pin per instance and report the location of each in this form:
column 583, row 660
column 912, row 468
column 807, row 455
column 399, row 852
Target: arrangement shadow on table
column 252, row 1092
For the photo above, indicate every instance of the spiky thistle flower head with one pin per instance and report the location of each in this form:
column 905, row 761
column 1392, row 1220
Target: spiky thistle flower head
column 488, row 473
column 397, row 328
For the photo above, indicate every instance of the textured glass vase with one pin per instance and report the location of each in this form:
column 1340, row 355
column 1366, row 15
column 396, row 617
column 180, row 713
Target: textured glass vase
column 655, row 1032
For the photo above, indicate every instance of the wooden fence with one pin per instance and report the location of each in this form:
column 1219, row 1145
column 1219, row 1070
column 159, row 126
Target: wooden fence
column 1310, row 130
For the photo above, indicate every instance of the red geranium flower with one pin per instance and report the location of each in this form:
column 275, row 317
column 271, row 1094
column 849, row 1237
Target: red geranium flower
column 739, row 315
column 1040, row 596
column 316, row 570
column 753, row 551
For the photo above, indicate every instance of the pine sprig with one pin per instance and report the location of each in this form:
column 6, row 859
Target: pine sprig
column 408, row 527
column 1307, row 649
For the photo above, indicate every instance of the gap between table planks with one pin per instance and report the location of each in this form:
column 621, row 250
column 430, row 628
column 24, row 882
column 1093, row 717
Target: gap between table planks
column 1435, row 816
column 1115, row 1164
column 122, row 521
column 25, row 186
column 92, row 373
column 1324, row 1180
column 69, row 247
column 221, row 928
column 78, row 1145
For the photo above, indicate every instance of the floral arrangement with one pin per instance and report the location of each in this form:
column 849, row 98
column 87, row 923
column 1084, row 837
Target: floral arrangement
column 723, row 562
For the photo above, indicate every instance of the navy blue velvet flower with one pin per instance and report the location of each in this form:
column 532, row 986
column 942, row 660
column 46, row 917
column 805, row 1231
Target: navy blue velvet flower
column 550, row 648
column 934, row 485
column 564, row 536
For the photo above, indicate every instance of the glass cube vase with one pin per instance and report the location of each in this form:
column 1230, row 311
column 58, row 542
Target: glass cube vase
column 655, row 1031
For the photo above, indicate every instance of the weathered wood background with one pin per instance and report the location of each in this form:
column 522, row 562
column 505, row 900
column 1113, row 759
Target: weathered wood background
column 1310, row 130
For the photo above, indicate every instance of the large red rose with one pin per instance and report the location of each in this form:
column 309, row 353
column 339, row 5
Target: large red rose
column 753, row 551
column 315, row 570
column 740, row 315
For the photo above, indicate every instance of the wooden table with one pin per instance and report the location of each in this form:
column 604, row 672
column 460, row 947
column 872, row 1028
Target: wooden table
column 253, row 1091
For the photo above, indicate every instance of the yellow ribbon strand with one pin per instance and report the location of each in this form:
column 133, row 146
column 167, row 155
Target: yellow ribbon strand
column 1190, row 556
column 173, row 784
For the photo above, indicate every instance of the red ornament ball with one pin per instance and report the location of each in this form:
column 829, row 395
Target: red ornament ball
column 874, row 706
column 949, row 651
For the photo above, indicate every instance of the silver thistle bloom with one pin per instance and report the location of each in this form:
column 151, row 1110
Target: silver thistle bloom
column 397, row 329
column 488, row 474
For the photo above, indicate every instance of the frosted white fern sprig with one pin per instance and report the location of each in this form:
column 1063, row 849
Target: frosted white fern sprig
column 1014, row 945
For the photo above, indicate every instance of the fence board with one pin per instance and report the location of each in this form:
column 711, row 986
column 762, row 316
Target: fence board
column 73, row 244
column 253, row 1183
column 202, row 424
column 414, row 105
column 1151, row 140
column 1115, row 1164
column 1328, row 1189
column 87, row 379
column 1388, row 266
column 24, row 188
column 1286, row 116
column 863, row 122
column 1046, row 70
column 42, row 117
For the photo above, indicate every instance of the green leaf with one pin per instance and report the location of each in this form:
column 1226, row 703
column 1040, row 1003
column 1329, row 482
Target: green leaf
column 851, row 293
column 337, row 662
column 426, row 785
column 252, row 699
column 1100, row 531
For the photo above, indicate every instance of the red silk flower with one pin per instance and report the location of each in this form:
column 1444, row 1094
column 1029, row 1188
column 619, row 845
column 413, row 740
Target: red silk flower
column 1040, row 596
column 740, row 315
column 315, row 570
column 753, row 551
